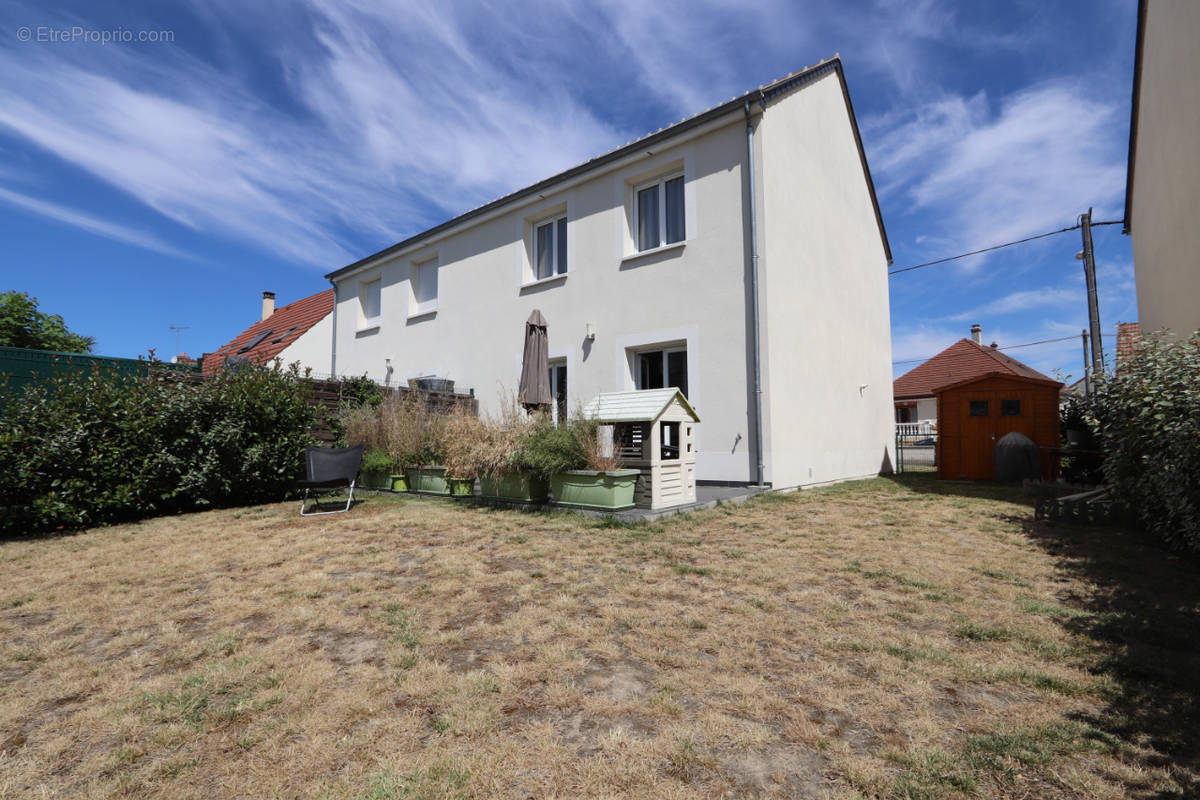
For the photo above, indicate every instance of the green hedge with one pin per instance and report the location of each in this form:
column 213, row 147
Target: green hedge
column 1149, row 423
column 98, row 447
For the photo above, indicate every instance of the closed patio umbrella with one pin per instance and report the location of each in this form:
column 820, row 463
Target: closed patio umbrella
column 534, row 389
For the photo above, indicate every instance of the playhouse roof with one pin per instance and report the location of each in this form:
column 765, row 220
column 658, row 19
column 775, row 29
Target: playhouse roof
column 643, row 405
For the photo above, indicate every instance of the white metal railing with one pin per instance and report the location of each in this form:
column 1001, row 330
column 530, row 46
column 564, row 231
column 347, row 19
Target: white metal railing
column 926, row 427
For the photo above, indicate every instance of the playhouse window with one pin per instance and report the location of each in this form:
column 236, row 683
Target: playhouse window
column 669, row 433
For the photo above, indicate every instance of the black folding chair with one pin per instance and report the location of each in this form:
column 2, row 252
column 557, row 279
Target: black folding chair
column 329, row 470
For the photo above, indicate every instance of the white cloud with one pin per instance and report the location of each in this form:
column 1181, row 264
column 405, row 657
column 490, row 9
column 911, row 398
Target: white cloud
column 91, row 224
column 1019, row 302
column 1044, row 156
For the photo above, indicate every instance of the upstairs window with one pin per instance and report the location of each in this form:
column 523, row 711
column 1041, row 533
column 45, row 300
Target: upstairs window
column 660, row 215
column 424, row 280
column 369, row 302
column 550, row 249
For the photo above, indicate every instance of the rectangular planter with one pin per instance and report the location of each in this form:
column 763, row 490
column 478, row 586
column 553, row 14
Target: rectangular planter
column 516, row 487
column 430, row 480
column 601, row 491
column 374, row 480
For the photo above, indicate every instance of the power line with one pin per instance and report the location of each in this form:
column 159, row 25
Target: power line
column 998, row 247
column 1008, row 347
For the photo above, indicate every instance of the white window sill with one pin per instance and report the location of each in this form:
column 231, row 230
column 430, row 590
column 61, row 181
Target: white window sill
column 561, row 278
column 370, row 326
column 666, row 248
column 419, row 315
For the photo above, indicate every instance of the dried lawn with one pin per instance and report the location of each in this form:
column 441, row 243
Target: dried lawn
column 888, row 638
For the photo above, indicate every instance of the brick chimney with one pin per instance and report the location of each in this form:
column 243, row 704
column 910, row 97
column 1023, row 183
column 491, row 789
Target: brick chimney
column 976, row 333
column 268, row 304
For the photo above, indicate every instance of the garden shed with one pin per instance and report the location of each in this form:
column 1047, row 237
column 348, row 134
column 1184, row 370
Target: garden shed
column 654, row 432
column 975, row 413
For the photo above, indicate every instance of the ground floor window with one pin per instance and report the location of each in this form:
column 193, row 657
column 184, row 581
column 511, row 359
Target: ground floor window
column 558, row 388
column 662, row 368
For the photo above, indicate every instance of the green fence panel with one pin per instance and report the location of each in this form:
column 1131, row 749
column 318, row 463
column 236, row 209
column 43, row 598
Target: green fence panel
column 20, row 367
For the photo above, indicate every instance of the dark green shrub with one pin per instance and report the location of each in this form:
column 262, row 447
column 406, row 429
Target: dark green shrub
column 96, row 447
column 1149, row 423
column 546, row 449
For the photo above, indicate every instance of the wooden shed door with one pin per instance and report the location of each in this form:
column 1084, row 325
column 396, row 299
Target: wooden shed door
column 986, row 418
column 977, row 413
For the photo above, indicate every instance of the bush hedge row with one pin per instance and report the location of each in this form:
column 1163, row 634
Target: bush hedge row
column 97, row 447
column 1148, row 418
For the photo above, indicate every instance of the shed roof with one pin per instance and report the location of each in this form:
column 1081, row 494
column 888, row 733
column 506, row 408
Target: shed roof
column 267, row 338
column 641, row 405
column 998, row 374
column 959, row 362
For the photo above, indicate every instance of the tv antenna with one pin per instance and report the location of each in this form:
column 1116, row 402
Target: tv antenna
column 177, row 329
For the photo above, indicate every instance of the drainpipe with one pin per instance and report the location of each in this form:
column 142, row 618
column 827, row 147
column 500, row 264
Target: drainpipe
column 758, row 425
column 333, row 346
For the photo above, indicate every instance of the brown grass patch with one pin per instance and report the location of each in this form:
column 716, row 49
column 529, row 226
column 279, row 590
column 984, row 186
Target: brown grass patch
column 903, row 639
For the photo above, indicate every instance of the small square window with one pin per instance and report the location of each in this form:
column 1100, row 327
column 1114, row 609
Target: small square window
column 979, row 408
column 1010, row 408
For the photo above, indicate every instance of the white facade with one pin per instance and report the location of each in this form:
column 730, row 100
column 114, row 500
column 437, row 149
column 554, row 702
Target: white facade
column 1164, row 167
column 312, row 348
column 453, row 302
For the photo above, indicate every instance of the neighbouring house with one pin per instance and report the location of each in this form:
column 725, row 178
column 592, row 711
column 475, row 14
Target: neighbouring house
column 915, row 391
column 301, row 331
column 1162, row 188
column 744, row 242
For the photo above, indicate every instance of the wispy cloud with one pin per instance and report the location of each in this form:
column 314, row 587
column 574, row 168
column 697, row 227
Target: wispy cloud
column 1020, row 302
column 992, row 175
column 91, row 224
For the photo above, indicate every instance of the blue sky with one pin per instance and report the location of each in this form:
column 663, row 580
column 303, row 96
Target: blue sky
column 150, row 184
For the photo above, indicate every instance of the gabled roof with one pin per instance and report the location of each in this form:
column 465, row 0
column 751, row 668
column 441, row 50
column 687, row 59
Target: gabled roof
column 785, row 85
column 999, row 374
column 267, row 338
column 643, row 405
column 961, row 361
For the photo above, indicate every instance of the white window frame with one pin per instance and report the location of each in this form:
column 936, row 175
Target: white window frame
column 661, row 183
column 364, row 287
column 556, row 269
column 418, row 307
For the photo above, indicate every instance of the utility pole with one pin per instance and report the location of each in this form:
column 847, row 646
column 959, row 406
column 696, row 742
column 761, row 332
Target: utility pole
column 1089, row 272
column 1087, row 385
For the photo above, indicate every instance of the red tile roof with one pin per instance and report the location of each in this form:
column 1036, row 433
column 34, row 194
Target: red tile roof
column 960, row 361
column 285, row 326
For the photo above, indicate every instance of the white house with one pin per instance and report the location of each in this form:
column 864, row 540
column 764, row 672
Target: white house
column 1162, row 187
column 655, row 264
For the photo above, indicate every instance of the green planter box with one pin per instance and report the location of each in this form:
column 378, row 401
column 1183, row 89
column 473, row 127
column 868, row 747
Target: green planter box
column 374, row 480
column 602, row 491
column 430, row 480
column 399, row 483
column 461, row 487
column 517, row 487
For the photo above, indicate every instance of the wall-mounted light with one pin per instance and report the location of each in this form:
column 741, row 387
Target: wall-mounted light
column 591, row 332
